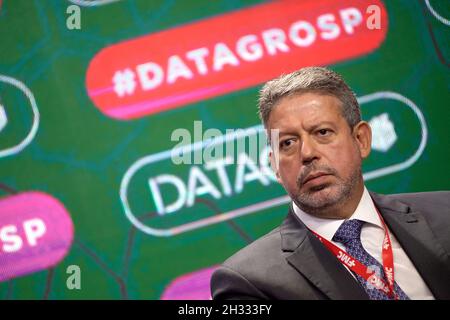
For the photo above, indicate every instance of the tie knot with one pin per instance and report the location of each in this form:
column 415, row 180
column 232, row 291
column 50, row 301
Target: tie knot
column 349, row 230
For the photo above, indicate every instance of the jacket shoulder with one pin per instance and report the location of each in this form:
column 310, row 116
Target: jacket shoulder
column 424, row 201
column 257, row 251
column 245, row 275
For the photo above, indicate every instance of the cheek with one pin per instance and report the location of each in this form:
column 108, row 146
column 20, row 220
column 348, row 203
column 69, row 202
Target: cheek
column 289, row 171
column 345, row 158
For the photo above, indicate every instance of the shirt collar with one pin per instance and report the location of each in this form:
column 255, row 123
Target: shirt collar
column 365, row 211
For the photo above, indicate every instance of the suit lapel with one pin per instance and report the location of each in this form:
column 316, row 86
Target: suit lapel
column 316, row 263
column 417, row 240
column 324, row 271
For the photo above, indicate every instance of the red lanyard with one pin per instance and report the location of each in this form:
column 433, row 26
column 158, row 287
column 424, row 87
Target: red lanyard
column 362, row 270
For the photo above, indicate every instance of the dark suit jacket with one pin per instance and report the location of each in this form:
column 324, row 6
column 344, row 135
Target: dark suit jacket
column 291, row 263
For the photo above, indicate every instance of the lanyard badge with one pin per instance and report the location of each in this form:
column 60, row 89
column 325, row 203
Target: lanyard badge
column 364, row 271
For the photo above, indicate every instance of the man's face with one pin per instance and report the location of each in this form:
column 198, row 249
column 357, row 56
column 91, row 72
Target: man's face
column 319, row 156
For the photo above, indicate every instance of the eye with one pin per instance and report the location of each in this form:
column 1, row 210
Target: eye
column 323, row 132
column 286, row 143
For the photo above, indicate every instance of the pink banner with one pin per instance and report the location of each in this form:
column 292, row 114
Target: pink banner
column 190, row 286
column 36, row 232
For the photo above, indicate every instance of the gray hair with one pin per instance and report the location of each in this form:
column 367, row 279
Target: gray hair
column 311, row 79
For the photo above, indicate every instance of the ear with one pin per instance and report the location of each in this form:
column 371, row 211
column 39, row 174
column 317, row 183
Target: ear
column 274, row 165
column 363, row 137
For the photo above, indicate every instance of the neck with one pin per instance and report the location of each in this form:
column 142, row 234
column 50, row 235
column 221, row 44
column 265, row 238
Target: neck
column 346, row 209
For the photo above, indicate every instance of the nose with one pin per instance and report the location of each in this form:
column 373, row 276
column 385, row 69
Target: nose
column 308, row 152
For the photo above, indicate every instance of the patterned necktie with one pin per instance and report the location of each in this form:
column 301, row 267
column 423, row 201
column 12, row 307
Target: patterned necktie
column 349, row 234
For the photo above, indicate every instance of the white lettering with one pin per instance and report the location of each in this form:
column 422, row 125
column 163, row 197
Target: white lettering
column 219, row 166
column 351, row 17
column 248, row 48
column 294, row 33
column 245, row 161
column 330, row 29
column 34, row 229
column 206, row 187
column 177, row 69
column 150, row 75
column 11, row 241
column 275, row 40
column 156, row 193
column 198, row 56
column 222, row 56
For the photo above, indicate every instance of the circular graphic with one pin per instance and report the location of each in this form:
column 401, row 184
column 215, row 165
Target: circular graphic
column 437, row 15
column 34, row 127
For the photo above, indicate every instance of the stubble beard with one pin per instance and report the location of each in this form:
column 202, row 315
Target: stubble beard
column 319, row 201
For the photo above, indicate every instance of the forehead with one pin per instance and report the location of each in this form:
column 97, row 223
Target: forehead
column 306, row 109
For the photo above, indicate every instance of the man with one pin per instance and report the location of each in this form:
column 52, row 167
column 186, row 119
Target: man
column 338, row 241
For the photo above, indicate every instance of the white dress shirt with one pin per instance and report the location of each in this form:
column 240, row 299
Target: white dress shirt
column 372, row 236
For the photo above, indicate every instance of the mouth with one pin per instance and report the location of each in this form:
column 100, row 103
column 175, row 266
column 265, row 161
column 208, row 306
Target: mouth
column 315, row 177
